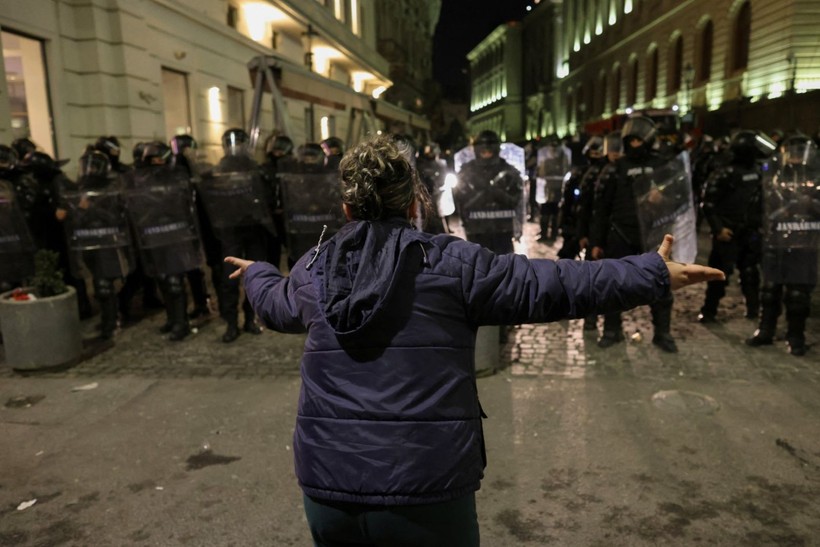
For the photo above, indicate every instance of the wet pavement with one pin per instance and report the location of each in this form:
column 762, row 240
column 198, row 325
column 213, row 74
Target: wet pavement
column 149, row 442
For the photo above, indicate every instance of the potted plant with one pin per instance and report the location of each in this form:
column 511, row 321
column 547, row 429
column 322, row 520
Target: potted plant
column 41, row 323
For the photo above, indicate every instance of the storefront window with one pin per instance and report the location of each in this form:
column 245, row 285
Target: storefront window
column 27, row 90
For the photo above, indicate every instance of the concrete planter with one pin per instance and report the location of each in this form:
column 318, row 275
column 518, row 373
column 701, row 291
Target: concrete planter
column 42, row 333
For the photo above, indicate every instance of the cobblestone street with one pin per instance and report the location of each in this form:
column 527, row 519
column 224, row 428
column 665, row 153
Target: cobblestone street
column 554, row 349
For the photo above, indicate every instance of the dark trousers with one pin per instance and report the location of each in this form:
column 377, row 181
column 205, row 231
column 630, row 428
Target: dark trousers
column 661, row 309
column 742, row 251
column 446, row 524
column 248, row 242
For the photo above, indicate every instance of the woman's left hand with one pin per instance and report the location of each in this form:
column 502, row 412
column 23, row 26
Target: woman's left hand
column 239, row 263
column 680, row 274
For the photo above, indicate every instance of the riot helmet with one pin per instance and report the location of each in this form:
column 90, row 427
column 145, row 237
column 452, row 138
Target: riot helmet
column 613, row 146
column 110, row 146
column 743, row 148
column 641, row 128
column 23, row 146
column 94, row 164
column 156, row 153
column 333, row 146
column 594, row 148
column 181, row 143
column 487, row 145
column 278, row 146
column 236, row 142
column 41, row 164
column 311, row 154
column 747, row 146
column 139, row 148
column 798, row 150
column 8, row 157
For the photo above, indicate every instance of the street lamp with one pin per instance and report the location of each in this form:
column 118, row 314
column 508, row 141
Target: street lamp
column 307, row 44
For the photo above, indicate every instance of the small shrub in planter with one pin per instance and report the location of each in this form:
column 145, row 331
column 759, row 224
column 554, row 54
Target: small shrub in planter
column 41, row 323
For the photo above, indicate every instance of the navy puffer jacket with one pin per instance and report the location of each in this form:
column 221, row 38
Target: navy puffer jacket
column 388, row 410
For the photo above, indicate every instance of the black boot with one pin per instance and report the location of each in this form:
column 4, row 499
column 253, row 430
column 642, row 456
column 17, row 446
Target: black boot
column 750, row 287
column 104, row 293
column 715, row 290
column 771, row 302
column 798, row 309
column 199, row 293
column 177, row 306
column 613, row 330
column 662, row 322
column 231, row 332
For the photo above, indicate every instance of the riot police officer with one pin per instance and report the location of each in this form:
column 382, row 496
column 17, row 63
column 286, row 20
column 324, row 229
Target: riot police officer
column 50, row 178
column 791, row 238
column 616, row 227
column 17, row 199
column 334, row 149
column 234, row 198
column 311, row 195
column 278, row 158
column 183, row 150
column 161, row 210
column 733, row 207
column 432, row 171
column 599, row 167
column 586, row 165
column 488, row 195
column 99, row 239
column 553, row 164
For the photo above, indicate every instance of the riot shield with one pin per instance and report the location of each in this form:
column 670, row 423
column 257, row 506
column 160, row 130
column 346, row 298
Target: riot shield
column 553, row 165
column 16, row 244
column 311, row 202
column 515, row 156
column 160, row 206
column 97, row 230
column 234, row 198
column 463, row 156
column 490, row 199
column 791, row 204
column 512, row 154
column 665, row 206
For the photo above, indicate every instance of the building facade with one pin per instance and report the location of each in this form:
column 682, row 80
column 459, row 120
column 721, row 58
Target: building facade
column 149, row 69
column 724, row 63
column 496, row 100
column 405, row 38
column 719, row 64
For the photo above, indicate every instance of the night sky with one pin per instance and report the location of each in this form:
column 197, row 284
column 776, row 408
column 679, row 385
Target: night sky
column 461, row 26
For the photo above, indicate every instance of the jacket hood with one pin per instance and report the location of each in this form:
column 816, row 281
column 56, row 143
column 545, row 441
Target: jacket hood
column 361, row 267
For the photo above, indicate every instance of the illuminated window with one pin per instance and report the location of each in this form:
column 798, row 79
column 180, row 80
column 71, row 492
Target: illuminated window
column 706, row 43
column 354, row 17
column 27, row 90
column 236, row 107
column 632, row 93
column 652, row 76
column 175, row 103
column 742, row 32
column 339, row 9
column 676, row 65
